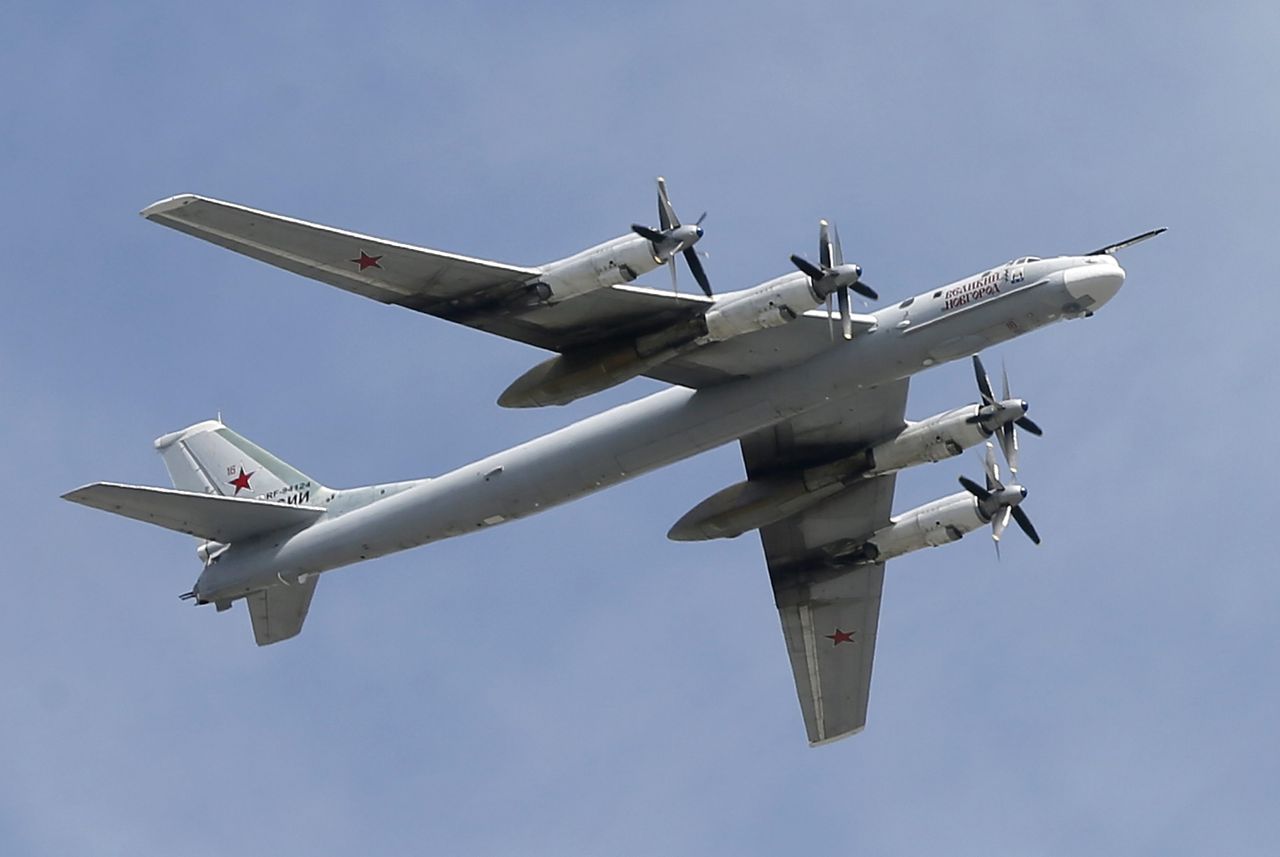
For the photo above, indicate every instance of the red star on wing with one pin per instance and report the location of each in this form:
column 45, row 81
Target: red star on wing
column 841, row 637
column 242, row 481
column 366, row 261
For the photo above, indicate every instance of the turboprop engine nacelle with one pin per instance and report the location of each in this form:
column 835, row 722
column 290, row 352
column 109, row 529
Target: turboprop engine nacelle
column 753, row 504
column 939, row 437
column 612, row 263
column 772, row 304
column 931, row 525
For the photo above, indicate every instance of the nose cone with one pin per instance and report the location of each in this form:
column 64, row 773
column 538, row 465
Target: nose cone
column 1098, row 280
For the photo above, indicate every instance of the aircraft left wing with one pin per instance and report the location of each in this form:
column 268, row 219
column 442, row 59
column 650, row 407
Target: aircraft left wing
column 485, row 295
column 829, row 616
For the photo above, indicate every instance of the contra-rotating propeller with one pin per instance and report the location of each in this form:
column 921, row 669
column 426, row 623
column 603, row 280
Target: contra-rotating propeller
column 992, row 408
column 1000, row 502
column 834, row 276
column 672, row 238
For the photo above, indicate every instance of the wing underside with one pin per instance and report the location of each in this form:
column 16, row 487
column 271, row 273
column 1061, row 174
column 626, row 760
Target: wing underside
column 830, row 617
column 830, row 629
column 486, row 295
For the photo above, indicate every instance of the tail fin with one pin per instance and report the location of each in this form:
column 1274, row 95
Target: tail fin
column 210, row 458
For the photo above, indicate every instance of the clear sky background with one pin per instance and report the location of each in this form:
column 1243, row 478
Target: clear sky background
column 575, row 683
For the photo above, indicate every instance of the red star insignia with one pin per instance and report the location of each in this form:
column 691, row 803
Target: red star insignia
column 366, row 261
column 242, row 481
column 841, row 637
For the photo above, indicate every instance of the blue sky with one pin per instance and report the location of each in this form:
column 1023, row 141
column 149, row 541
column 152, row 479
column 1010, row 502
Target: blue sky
column 575, row 683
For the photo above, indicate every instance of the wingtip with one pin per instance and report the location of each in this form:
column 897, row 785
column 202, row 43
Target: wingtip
column 164, row 206
column 77, row 495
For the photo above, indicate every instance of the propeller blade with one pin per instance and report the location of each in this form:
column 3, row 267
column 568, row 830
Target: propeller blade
column 984, row 383
column 666, row 214
column 701, row 217
column 650, row 234
column 846, row 317
column 865, row 290
column 671, row 264
column 824, row 244
column 1009, row 445
column 993, row 469
column 1004, row 377
column 695, row 266
column 1111, row 249
column 1027, row 424
column 998, row 523
column 837, row 255
column 806, row 267
column 831, row 320
column 1025, row 523
column 975, row 489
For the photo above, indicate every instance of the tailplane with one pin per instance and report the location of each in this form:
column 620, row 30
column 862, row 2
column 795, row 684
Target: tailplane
column 226, row 489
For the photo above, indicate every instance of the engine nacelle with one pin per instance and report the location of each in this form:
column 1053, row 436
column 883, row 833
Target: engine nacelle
column 770, row 304
column 939, row 437
column 612, row 263
column 931, row 525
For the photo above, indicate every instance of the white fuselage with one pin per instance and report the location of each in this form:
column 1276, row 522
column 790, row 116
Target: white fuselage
column 944, row 324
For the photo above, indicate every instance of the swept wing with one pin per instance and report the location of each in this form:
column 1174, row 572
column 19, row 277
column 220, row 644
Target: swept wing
column 829, row 618
column 486, row 295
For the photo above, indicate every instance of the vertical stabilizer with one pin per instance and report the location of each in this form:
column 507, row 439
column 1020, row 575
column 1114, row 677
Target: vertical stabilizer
column 210, row 458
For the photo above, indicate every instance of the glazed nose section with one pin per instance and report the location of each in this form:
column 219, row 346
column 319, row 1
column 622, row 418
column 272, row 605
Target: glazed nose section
column 1099, row 281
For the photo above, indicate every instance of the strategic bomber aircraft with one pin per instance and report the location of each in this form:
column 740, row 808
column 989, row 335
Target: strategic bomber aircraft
column 820, row 419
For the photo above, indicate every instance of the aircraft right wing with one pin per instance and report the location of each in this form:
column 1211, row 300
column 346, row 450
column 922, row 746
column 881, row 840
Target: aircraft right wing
column 490, row 296
column 386, row 271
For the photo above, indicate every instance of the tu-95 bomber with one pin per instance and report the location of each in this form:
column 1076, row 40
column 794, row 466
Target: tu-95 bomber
column 814, row 392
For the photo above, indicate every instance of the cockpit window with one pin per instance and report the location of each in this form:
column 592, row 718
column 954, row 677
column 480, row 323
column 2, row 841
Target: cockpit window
column 906, row 303
column 1024, row 260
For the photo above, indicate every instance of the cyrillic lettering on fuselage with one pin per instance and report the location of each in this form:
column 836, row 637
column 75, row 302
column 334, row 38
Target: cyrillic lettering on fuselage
column 980, row 287
column 290, row 495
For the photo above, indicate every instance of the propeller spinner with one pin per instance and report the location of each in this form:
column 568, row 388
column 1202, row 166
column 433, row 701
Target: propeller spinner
column 673, row 238
column 1000, row 502
column 834, row 276
column 993, row 408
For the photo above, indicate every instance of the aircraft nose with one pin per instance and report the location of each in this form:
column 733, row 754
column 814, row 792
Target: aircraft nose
column 1099, row 281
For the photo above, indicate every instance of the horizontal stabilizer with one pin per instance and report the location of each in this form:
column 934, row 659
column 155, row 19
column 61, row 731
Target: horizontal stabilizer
column 206, row 516
column 278, row 612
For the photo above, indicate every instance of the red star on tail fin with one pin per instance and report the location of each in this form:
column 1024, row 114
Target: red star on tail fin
column 242, row 481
